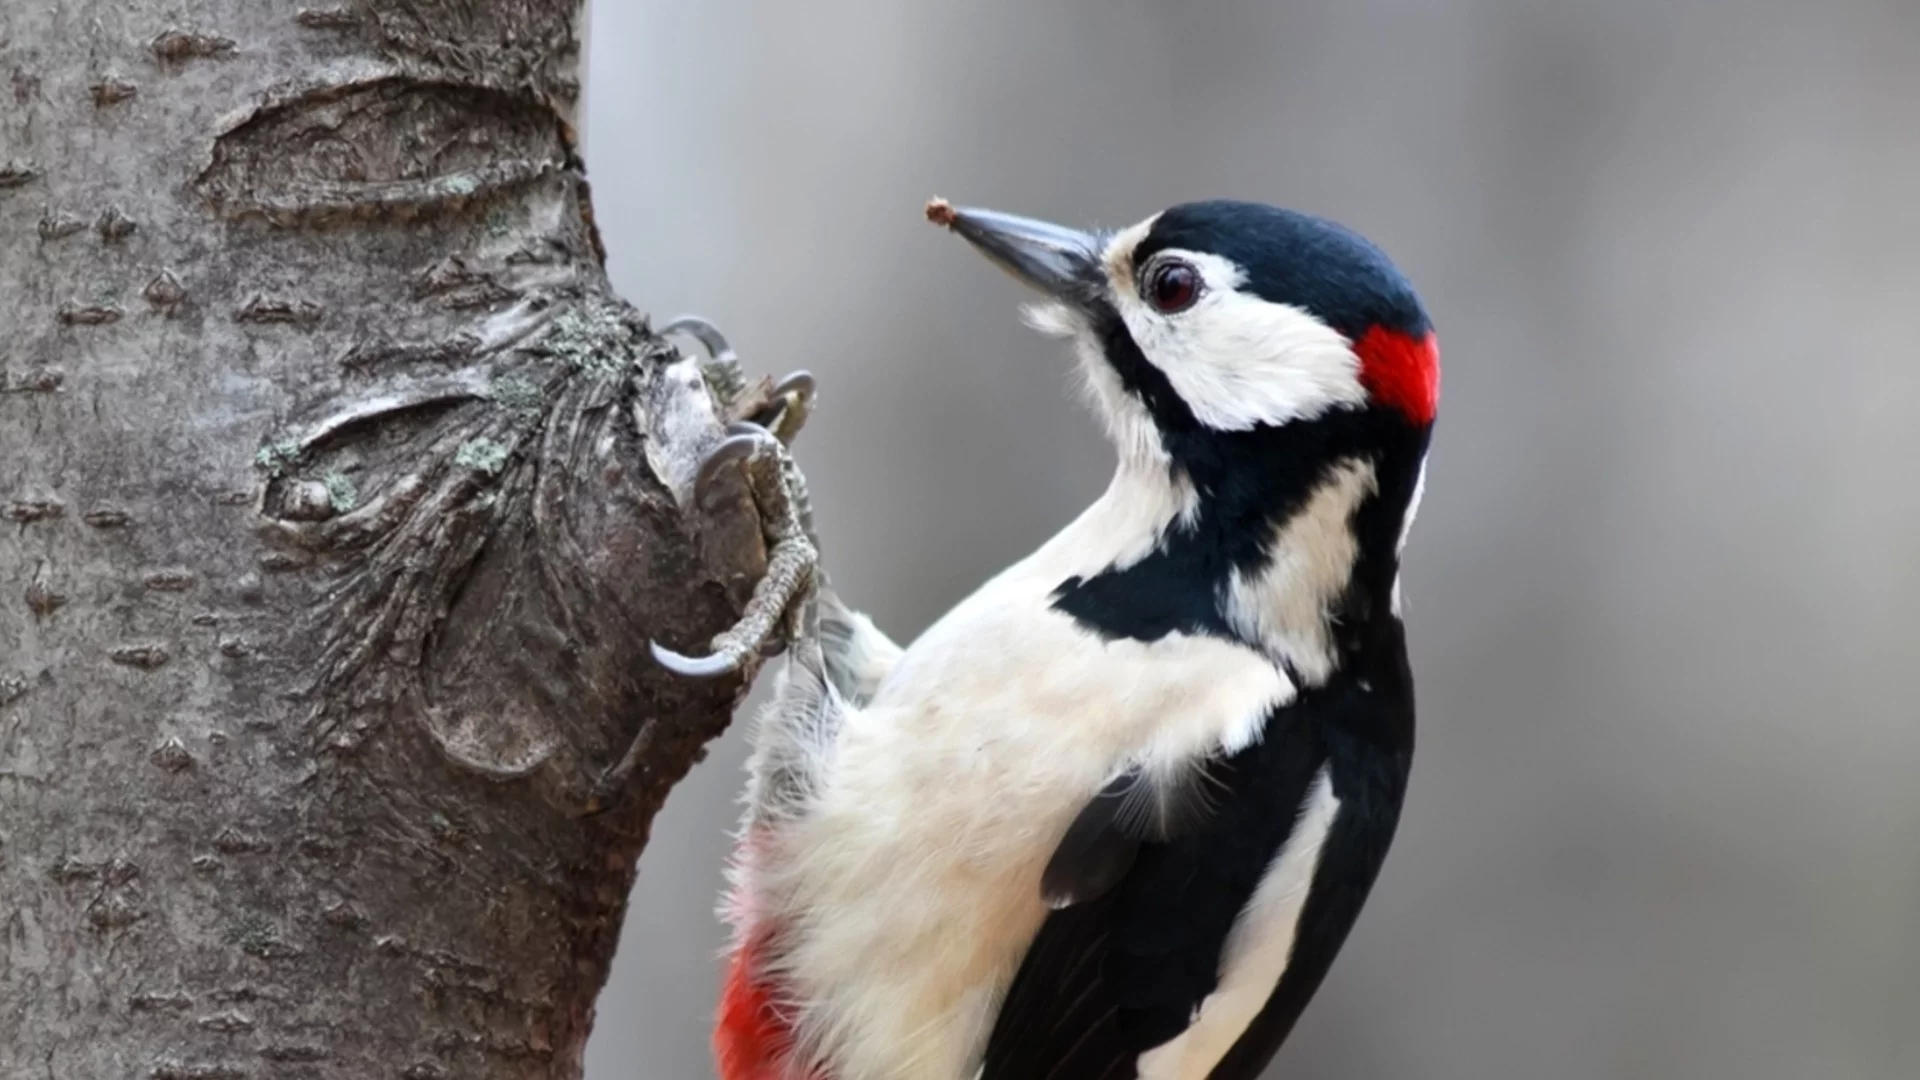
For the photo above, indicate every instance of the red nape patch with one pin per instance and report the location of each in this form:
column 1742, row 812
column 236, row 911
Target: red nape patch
column 753, row 1035
column 1401, row 371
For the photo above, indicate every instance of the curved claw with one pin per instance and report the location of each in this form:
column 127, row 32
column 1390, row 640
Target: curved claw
column 788, row 404
column 736, row 447
column 796, row 382
column 699, row 329
column 693, row 667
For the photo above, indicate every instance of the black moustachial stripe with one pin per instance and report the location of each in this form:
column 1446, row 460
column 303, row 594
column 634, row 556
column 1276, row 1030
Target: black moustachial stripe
column 1249, row 483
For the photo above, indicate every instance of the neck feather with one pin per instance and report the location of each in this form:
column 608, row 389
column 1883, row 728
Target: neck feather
column 1286, row 539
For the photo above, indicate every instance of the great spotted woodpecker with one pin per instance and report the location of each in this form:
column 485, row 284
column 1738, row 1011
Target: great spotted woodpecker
column 1114, row 814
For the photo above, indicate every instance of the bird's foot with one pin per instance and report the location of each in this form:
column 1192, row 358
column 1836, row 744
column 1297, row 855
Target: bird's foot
column 772, row 616
column 776, row 613
column 765, row 417
column 779, row 408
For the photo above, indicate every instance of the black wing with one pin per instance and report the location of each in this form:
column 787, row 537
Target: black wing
column 1097, row 850
column 1125, row 969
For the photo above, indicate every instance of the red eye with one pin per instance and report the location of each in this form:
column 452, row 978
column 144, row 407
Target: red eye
column 1173, row 286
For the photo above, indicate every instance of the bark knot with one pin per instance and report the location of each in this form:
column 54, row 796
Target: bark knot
column 179, row 46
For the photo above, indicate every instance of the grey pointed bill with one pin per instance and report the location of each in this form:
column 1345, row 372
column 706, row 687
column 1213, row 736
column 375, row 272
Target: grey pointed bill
column 1061, row 262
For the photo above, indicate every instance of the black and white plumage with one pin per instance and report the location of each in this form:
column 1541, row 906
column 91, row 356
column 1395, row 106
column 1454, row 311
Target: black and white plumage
column 1114, row 814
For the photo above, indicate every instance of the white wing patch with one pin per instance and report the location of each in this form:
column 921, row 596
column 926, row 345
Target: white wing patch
column 1257, row 951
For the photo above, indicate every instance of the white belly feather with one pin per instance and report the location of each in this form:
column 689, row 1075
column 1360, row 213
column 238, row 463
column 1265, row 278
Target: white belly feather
column 907, row 884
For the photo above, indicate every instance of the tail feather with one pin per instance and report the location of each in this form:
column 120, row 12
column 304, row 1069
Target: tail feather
column 753, row 1035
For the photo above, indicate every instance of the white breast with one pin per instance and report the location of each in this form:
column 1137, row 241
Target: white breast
column 913, row 884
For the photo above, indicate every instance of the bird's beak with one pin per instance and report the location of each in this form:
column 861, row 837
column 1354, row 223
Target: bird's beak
column 1060, row 262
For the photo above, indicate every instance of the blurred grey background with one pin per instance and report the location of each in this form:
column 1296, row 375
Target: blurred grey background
column 1664, row 819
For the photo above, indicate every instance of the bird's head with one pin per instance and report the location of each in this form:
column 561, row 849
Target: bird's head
column 1217, row 318
column 1269, row 377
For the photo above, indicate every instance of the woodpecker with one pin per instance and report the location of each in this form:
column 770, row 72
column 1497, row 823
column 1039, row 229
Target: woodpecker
column 1114, row 814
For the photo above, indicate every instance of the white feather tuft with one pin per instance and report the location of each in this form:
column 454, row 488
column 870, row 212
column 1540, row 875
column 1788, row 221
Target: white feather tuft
column 1051, row 318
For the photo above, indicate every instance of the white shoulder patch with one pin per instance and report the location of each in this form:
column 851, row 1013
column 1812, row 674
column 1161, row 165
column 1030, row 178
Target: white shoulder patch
column 1257, row 951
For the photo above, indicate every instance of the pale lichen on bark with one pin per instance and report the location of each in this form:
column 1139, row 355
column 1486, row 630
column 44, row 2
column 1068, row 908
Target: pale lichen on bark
column 340, row 499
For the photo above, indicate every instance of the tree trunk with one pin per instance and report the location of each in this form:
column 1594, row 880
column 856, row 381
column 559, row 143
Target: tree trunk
column 340, row 500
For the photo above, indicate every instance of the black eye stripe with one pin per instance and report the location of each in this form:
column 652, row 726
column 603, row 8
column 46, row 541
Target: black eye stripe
column 1139, row 377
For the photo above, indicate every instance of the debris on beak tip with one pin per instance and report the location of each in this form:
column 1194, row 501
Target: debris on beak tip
column 940, row 212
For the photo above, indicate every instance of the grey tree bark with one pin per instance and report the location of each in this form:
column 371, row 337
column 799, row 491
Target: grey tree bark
column 339, row 498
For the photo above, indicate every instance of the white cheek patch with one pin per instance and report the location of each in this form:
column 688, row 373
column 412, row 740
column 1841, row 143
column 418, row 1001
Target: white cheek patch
column 1052, row 319
column 1239, row 361
column 1236, row 360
